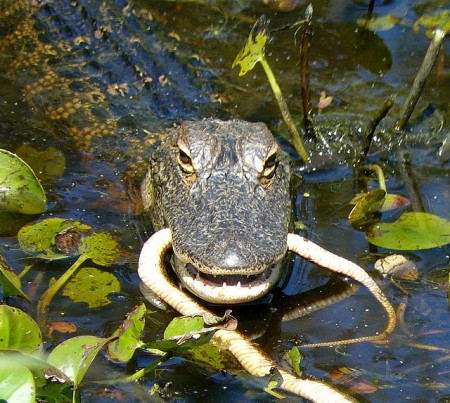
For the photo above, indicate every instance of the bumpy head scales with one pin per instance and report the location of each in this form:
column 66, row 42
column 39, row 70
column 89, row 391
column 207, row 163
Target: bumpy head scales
column 223, row 190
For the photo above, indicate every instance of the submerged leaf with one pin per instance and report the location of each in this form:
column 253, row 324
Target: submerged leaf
column 18, row 331
column 380, row 23
column 20, row 190
column 92, row 286
column 412, row 231
column 253, row 50
column 438, row 19
column 48, row 165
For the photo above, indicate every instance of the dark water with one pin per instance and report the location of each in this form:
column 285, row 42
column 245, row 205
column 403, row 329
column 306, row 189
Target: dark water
column 360, row 70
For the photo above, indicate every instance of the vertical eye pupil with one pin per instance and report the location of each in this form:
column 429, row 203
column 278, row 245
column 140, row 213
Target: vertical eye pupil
column 184, row 158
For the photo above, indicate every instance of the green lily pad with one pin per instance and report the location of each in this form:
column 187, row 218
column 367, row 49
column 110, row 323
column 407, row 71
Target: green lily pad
column 74, row 356
column 128, row 336
column 253, row 50
column 21, row 192
column 412, row 231
column 18, row 331
column 53, row 238
column 16, row 383
column 101, row 248
column 10, row 281
column 48, row 165
column 92, row 286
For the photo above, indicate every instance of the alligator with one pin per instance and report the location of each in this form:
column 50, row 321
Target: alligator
column 227, row 182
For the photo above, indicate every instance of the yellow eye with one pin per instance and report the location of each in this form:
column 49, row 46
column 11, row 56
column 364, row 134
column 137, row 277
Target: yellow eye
column 185, row 161
column 270, row 166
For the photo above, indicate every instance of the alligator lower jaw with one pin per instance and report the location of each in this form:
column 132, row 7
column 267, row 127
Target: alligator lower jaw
column 226, row 289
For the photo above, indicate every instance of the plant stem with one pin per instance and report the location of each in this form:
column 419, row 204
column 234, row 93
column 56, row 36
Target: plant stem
column 380, row 175
column 295, row 136
column 370, row 129
column 420, row 80
column 304, row 74
column 139, row 374
column 56, row 286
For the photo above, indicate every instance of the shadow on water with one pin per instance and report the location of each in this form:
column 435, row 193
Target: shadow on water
column 359, row 68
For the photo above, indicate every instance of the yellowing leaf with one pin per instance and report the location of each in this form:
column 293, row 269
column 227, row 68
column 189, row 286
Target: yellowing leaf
column 253, row 50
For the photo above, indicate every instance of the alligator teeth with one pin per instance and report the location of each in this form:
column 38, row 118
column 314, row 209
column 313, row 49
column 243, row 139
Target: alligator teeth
column 224, row 284
column 238, row 284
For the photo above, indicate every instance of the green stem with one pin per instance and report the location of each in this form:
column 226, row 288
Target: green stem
column 139, row 374
column 25, row 271
column 295, row 136
column 56, row 286
column 380, row 175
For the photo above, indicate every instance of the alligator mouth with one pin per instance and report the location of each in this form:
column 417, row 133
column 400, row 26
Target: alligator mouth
column 226, row 289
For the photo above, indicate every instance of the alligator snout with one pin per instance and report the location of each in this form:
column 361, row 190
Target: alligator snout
column 223, row 190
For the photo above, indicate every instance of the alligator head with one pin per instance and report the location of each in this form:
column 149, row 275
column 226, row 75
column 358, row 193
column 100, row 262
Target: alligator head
column 223, row 188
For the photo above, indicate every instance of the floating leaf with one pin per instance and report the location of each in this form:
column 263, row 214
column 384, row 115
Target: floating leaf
column 20, row 190
column 10, row 281
column 128, row 336
column 48, row 165
column 380, row 23
column 92, row 286
column 412, row 231
column 18, row 331
column 253, row 50
column 41, row 237
column 74, row 356
column 101, row 248
column 16, row 383
column 295, row 357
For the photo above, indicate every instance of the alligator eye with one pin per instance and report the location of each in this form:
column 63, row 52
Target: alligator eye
column 185, row 162
column 269, row 166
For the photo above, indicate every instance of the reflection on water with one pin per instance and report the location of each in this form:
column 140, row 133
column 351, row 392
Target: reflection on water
column 360, row 69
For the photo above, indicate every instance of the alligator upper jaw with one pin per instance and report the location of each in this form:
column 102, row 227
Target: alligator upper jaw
column 226, row 289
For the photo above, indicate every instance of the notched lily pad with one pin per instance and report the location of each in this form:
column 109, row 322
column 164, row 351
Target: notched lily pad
column 20, row 190
column 53, row 238
column 412, row 231
column 92, row 286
